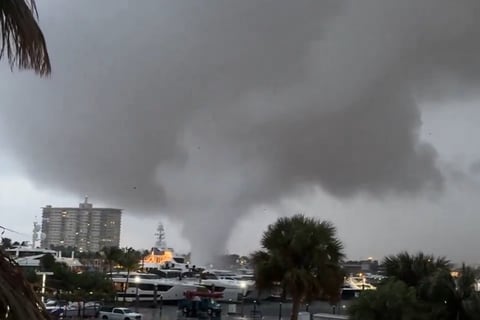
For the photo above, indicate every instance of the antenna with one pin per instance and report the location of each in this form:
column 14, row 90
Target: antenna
column 36, row 230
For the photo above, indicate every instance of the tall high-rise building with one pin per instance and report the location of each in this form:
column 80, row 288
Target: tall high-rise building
column 84, row 228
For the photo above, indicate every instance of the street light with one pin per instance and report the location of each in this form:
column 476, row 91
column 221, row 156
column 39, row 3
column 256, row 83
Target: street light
column 137, row 281
column 44, row 279
column 280, row 311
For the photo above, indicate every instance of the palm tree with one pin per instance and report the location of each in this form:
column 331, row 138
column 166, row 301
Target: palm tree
column 303, row 255
column 449, row 298
column 112, row 255
column 6, row 243
column 143, row 254
column 17, row 299
column 472, row 306
column 22, row 39
column 129, row 260
column 441, row 296
column 393, row 300
column 413, row 269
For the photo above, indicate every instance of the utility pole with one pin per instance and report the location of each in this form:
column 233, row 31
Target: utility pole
column 44, row 278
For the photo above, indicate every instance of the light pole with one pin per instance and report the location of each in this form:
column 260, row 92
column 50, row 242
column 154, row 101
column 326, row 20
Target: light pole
column 44, row 279
column 137, row 282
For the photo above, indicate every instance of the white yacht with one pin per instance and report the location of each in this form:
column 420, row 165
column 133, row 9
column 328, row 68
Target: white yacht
column 169, row 273
column 168, row 265
column 148, row 286
column 227, row 282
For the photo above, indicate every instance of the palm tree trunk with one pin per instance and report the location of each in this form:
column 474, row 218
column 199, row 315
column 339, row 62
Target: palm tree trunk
column 295, row 307
column 126, row 286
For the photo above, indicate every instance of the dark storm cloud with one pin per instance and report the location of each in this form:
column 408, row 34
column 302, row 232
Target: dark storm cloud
column 475, row 167
column 203, row 109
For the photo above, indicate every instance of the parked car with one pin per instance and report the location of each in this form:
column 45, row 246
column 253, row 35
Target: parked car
column 197, row 304
column 64, row 309
column 85, row 310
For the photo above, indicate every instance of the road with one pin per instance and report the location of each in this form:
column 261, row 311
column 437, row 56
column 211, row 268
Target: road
column 268, row 310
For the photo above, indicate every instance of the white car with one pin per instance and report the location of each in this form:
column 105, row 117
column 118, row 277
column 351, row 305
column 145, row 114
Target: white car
column 118, row 314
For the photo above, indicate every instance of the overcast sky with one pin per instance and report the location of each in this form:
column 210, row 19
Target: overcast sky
column 215, row 117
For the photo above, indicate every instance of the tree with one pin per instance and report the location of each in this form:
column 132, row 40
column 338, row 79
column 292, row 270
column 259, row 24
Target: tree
column 47, row 262
column 472, row 306
column 63, row 277
column 449, row 298
column 440, row 296
column 129, row 260
column 112, row 255
column 6, row 243
column 143, row 253
column 304, row 256
column 22, row 39
column 94, row 282
column 394, row 300
column 75, row 285
column 31, row 276
column 17, row 299
column 413, row 269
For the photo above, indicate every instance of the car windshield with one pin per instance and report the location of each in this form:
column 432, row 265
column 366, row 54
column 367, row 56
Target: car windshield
column 127, row 311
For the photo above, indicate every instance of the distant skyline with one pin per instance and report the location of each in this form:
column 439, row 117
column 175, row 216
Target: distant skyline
column 217, row 117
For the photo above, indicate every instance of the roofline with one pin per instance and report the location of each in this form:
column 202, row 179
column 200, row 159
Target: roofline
column 78, row 208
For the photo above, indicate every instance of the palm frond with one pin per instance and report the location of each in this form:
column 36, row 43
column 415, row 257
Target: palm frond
column 471, row 306
column 393, row 300
column 466, row 282
column 303, row 255
column 23, row 42
column 413, row 269
column 18, row 301
column 268, row 270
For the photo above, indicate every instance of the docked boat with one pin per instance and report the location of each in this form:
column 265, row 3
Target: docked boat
column 232, row 287
column 353, row 286
column 150, row 287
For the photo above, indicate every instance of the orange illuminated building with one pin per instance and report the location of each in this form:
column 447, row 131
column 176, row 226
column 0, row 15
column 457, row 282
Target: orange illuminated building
column 159, row 257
